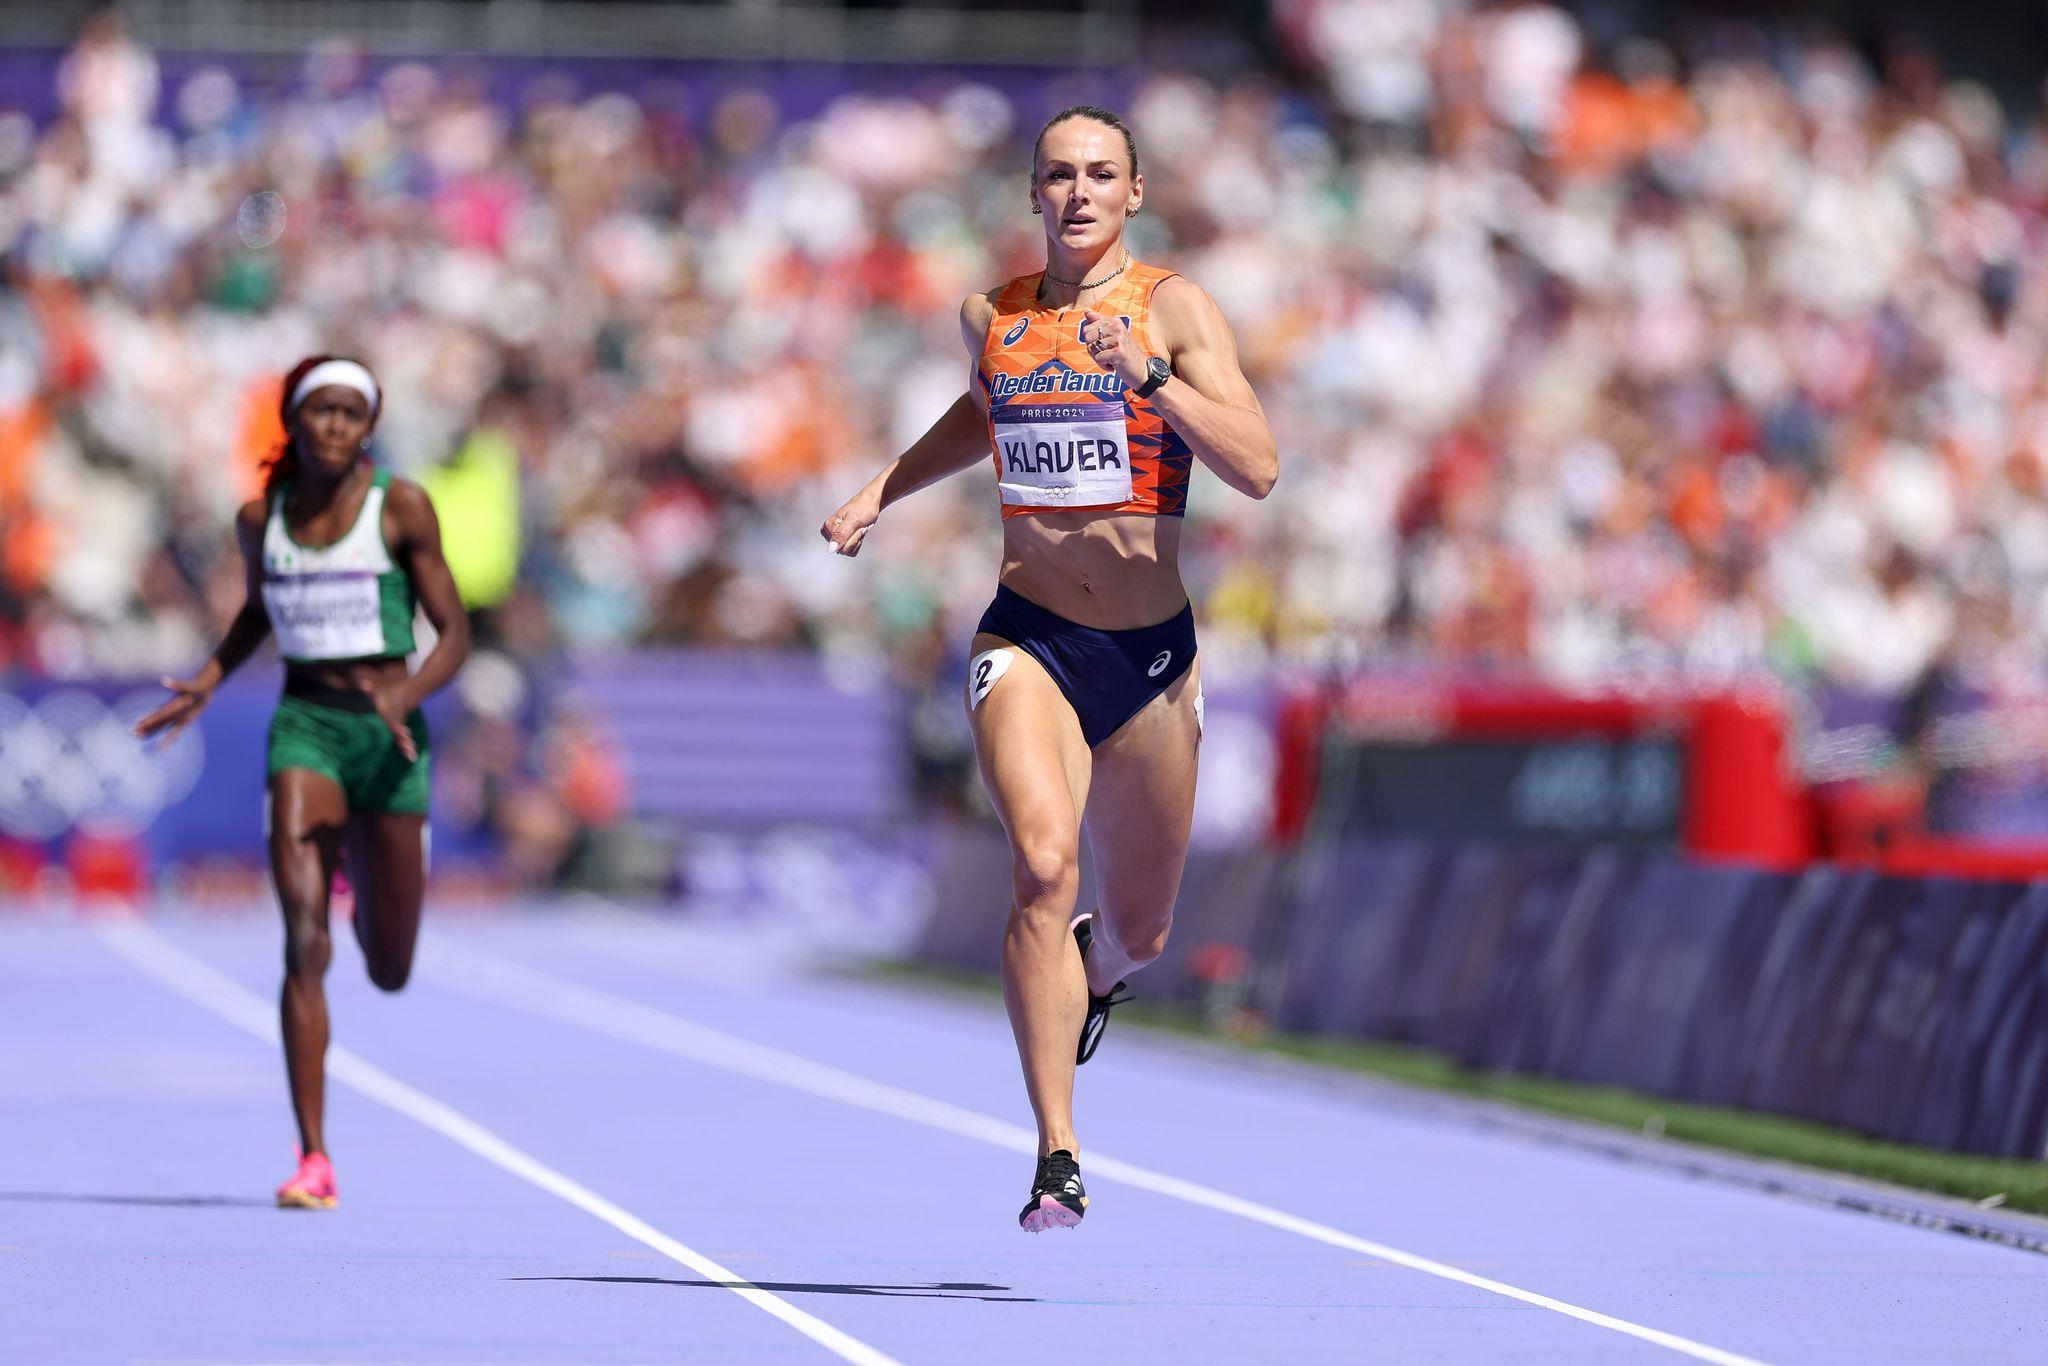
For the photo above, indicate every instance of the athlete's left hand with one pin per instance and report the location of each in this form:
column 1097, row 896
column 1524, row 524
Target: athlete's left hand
column 192, row 695
column 1113, row 347
column 393, row 710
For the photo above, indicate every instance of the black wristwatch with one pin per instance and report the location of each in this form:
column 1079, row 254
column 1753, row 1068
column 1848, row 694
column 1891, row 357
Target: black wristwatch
column 1157, row 372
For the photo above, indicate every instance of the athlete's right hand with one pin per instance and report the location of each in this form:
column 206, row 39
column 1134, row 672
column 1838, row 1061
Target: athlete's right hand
column 393, row 710
column 845, row 529
column 192, row 695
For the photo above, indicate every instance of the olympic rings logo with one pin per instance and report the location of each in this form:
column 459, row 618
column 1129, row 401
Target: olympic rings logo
column 71, row 760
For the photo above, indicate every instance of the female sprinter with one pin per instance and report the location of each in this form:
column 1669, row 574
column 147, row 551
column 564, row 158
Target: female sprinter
column 1096, row 381
column 335, row 555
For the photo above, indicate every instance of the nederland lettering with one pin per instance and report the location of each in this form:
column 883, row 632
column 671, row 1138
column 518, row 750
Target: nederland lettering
column 1103, row 384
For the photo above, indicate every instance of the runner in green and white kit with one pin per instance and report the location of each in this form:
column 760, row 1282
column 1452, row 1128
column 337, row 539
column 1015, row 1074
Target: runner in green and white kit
column 348, row 600
column 337, row 555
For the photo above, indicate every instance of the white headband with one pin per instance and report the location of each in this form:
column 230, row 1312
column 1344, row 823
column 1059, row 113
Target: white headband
column 347, row 374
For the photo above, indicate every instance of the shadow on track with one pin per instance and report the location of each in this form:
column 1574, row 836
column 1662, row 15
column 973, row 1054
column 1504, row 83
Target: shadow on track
column 937, row 1290
column 153, row 1201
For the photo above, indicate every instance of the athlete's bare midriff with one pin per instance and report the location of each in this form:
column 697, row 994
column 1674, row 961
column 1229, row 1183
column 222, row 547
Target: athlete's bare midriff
column 348, row 675
column 1111, row 570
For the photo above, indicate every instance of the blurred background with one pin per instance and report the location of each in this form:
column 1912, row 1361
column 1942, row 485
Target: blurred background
column 1659, row 386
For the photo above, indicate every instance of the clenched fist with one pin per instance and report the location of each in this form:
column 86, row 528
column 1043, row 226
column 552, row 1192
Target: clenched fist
column 1111, row 345
column 845, row 529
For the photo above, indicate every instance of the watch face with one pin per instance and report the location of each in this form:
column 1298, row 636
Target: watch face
column 1157, row 370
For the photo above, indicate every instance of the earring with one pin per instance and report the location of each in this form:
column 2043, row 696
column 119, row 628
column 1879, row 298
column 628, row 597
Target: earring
column 1130, row 213
column 1036, row 209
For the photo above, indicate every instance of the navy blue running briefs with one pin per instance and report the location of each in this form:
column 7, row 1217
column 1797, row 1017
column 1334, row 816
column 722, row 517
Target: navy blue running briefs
column 1106, row 676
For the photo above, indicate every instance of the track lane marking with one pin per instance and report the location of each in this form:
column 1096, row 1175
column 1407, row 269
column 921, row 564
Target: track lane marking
column 501, row 981
column 198, row 982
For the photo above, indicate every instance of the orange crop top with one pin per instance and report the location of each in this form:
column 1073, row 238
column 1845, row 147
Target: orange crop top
column 1064, row 432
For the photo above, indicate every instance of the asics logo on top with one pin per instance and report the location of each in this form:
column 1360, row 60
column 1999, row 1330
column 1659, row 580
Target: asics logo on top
column 1159, row 664
column 1018, row 329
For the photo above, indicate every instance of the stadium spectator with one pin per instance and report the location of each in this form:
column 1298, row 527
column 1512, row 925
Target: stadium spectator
column 1594, row 365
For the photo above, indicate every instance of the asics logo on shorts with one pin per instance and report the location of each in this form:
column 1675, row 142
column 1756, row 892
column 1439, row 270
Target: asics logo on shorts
column 1159, row 664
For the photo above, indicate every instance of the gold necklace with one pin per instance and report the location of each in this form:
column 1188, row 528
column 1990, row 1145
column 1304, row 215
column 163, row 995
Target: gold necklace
column 1052, row 279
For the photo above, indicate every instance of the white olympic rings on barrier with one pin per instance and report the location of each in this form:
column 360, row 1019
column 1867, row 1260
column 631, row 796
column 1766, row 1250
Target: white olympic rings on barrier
column 70, row 760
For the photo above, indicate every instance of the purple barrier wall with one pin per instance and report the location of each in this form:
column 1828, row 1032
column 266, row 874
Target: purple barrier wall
column 1667, row 942
column 2010, row 1088
column 1344, row 955
column 706, row 740
column 1734, row 996
column 1946, row 1110
column 68, row 762
column 1914, row 1009
column 738, row 739
column 1515, row 994
column 1908, row 975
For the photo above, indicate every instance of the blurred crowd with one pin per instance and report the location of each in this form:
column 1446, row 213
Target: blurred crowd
column 1607, row 365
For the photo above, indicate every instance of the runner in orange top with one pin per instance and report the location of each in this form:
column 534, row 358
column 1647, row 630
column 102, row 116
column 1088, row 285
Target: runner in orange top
column 1097, row 383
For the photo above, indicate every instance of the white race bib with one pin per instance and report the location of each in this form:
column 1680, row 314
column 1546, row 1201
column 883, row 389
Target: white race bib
column 1062, row 454
column 332, row 615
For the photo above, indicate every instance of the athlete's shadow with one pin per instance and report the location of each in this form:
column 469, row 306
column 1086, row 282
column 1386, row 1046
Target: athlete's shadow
column 152, row 1201
column 934, row 1290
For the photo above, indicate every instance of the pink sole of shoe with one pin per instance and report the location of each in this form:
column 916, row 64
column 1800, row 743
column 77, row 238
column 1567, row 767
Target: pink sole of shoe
column 1050, row 1214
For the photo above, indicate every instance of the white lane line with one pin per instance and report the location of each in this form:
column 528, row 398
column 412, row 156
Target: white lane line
column 200, row 984
column 491, row 978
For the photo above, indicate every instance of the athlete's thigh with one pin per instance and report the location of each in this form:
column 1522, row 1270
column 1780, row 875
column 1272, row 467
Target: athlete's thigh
column 387, row 869
column 1028, row 741
column 1143, row 806
column 308, row 811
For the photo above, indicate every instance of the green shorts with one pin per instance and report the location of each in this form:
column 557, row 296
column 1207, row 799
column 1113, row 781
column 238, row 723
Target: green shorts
column 355, row 749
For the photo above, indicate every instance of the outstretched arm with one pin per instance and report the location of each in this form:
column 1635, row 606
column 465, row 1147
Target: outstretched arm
column 957, row 440
column 245, row 633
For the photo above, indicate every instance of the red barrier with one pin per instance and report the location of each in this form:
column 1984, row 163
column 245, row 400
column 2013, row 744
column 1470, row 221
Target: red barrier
column 1933, row 856
column 1299, row 723
column 110, row 867
column 1742, row 799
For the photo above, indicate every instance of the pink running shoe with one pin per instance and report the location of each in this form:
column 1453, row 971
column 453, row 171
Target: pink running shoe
column 311, row 1187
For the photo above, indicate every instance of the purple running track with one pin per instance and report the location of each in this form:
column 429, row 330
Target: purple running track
column 847, row 1147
